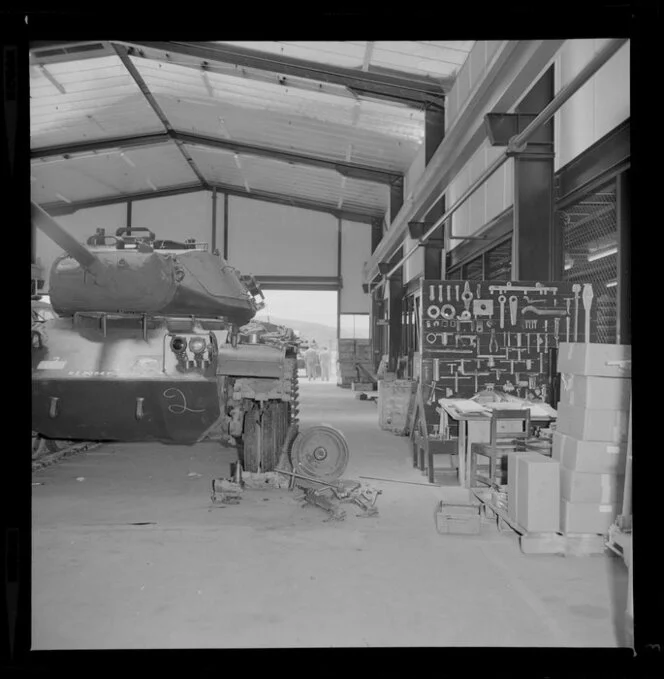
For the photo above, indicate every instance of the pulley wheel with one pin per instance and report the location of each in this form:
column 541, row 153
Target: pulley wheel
column 320, row 452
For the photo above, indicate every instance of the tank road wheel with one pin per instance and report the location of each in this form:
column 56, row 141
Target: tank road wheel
column 320, row 452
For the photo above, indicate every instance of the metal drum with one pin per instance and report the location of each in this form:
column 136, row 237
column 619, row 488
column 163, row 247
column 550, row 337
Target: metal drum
column 320, row 452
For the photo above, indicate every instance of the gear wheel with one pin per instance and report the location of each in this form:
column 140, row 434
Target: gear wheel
column 320, row 452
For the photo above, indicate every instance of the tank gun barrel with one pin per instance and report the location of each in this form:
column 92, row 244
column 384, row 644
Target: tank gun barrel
column 45, row 223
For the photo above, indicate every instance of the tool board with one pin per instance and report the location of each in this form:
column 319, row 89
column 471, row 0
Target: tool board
column 499, row 335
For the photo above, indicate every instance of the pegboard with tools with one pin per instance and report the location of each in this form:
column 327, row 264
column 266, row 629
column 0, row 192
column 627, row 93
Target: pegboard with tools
column 499, row 335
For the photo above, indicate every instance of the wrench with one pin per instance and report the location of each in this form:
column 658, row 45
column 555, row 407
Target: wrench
column 457, row 292
column 501, row 300
column 528, row 342
column 518, row 339
column 576, row 288
column 587, row 303
column 556, row 331
column 546, row 343
column 449, row 293
column 514, row 302
column 539, row 342
column 432, row 293
column 567, row 320
column 440, row 294
column 478, row 290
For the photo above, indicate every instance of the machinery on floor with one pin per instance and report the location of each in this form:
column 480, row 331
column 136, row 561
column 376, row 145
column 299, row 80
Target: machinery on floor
column 151, row 343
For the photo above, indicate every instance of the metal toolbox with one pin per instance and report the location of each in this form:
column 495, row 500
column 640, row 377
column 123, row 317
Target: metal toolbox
column 458, row 512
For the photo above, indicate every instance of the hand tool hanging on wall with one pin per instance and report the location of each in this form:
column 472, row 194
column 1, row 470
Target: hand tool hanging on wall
column 528, row 342
column 457, row 292
column 514, row 303
column 432, row 293
column 436, row 369
column 587, row 304
column 440, row 293
column 501, row 300
column 539, row 342
column 567, row 321
column 556, row 331
column 449, row 293
column 576, row 288
column 479, row 287
column 493, row 342
column 467, row 296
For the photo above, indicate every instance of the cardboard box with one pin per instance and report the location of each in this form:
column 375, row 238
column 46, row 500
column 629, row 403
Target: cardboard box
column 597, row 457
column 588, row 424
column 598, row 393
column 534, row 492
column 513, row 483
column 591, row 488
column 591, row 359
column 582, row 517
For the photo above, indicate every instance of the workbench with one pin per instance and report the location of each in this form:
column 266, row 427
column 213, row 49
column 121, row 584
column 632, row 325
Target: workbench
column 480, row 414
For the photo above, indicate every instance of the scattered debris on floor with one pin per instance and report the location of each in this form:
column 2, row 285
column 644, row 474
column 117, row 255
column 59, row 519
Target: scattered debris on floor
column 37, row 484
column 319, row 458
column 194, row 475
column 226, row 492
column 80, row 478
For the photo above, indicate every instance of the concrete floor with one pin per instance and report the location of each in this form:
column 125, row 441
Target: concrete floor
column 269, row 573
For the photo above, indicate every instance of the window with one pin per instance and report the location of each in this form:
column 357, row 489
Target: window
column 499, row 262
column 590, row 253
column 354, row 326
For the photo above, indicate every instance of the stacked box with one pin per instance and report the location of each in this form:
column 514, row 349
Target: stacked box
column 590, row 441
column 393, row 403
column 533, row 491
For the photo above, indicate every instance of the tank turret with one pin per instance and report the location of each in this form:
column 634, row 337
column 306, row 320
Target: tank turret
column 138, row 278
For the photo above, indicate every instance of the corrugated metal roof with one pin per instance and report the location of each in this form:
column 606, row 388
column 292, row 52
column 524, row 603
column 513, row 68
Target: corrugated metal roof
column 86, row 99
column 97, row 175
column 433, row 58
column 96, row 98
column 288, row 118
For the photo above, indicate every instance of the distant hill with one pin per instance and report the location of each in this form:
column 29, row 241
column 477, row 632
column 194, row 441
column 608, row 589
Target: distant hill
column 323, row 334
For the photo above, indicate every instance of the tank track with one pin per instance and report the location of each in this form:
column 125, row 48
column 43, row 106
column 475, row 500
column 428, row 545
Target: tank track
column 295, row 396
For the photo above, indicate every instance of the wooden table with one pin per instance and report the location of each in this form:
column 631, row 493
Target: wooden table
column 464, row 418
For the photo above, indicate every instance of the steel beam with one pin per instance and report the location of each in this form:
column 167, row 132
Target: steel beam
column 303, row 203
column 407, row 89
column 299, row 282
column 346, row 169
column 145, row 90
column 55, row 209
column 434, row 132
column 58, row 208
column 396, row 199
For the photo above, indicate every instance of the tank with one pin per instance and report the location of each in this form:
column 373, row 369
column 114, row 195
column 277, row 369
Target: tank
column 154, row 341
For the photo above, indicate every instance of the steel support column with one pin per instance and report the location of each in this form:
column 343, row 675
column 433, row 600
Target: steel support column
column 533, row 239
column 434, row 131
column 339, row 245
column 226, row 226
column 396, row 198
column 129, row 208
column 376, row 232
column 434, row 247
column 395, row 303
column 213, row 239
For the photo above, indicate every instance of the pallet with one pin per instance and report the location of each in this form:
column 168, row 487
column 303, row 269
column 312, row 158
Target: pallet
column 564, row 544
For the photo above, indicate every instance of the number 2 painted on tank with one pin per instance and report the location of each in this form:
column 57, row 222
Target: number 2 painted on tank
column 179, row 408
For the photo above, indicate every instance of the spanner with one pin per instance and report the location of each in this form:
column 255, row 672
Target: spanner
column 501, row 300
column 457, row 292
column 449, row 293
column 576, row 289
column 514, row 303
column 440, row 293
column 432, row 293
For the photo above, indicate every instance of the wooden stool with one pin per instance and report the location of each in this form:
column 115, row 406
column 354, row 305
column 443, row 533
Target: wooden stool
column 501, row 443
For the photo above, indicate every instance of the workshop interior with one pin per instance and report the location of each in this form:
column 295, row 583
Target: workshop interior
column 450, row 418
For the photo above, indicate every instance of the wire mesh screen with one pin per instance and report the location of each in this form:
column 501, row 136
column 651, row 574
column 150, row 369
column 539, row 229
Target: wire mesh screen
column 474, row 270
column 499, row 262
column 590, row 247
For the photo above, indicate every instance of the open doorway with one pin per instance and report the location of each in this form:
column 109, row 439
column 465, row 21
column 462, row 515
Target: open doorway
column 312, row 314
